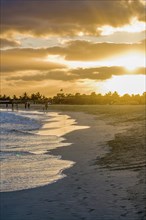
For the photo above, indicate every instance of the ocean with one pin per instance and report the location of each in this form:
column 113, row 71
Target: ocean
column 26, row 140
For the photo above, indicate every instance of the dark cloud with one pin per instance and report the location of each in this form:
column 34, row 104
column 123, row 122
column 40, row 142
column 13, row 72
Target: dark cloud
column 36, row 59
column 103, row 73
column 100, row 73
column 4, row 43
column 26, row 59
column 67, row 17
column 88, row 51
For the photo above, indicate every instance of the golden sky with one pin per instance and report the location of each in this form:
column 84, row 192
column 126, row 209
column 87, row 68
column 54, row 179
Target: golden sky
column 79, row 46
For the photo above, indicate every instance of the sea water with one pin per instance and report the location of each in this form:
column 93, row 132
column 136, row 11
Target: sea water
column 26, row 140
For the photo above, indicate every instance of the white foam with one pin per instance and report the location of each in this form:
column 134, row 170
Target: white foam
column 26, row 140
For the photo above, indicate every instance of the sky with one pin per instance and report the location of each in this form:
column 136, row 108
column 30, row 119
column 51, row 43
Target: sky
column 75, row 45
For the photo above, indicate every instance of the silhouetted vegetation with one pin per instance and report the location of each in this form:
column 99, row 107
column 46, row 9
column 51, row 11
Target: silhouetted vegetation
column 79, row 99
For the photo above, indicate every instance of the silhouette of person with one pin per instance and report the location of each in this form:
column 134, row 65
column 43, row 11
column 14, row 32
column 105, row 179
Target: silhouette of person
column 12, row 106
column 28, row 105
column 46, row 106
column 7, row 106
column 25, row 105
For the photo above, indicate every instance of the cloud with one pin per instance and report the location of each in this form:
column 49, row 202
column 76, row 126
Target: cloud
column 88, row 51
column 26, row 59
column 103, row 73
column 4, row 43
column 100, row 73
column 83, row 50
column 20, row 59
column 123, row 37
column 67, row 17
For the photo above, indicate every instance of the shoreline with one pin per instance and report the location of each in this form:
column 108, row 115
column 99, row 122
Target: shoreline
column 41, row 133
column 88, row 191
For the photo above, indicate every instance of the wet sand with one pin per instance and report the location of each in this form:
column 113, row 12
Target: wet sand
column 90, row 191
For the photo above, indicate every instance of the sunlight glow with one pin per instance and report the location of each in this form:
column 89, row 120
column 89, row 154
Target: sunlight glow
column 81, row 34
column 130, row 61
column 72, row 64
column 131, row 84
column 134, row 27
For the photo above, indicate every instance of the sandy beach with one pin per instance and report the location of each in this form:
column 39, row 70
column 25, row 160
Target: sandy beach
column 95, row 187
column 73, row 110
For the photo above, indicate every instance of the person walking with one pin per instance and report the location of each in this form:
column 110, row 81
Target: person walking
column 28, row 105
column 46, row 106
column 12, row 106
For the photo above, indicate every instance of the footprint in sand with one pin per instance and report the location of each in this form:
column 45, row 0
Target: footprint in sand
column 91, row 210
column 79, row 187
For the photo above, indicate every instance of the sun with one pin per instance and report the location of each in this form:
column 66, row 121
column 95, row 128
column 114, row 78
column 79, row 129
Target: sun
column 131, row 84
column 133, row 61
column 130, row 61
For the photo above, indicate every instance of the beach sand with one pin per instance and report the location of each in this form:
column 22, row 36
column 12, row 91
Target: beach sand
column 92, row 189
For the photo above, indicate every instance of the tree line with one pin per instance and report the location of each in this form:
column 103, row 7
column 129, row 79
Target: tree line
column 79, row 99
